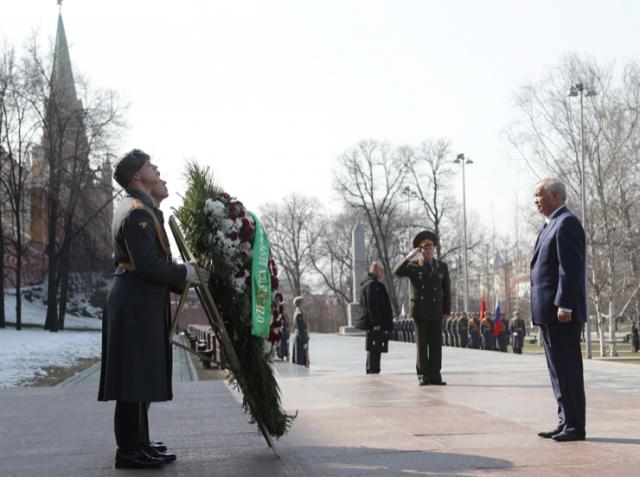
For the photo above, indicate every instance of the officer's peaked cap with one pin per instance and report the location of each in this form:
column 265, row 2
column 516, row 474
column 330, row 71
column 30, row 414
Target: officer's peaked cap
column 425, row 235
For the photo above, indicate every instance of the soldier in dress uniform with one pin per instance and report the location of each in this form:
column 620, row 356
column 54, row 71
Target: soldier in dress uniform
column 430, row 304
column 463, row 330
column 517, row 330
column 503, row 335
column 301, row 342
column 446, row 336
column 394, row 333
column 454, row 330
column 136, row 363
column 474, row 331
column 486, row 329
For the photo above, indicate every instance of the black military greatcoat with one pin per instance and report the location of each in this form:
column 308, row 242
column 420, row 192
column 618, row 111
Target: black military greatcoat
column 136, row 353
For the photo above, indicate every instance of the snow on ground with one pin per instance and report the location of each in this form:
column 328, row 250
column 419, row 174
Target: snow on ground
column 24, row 354
column 34, row 313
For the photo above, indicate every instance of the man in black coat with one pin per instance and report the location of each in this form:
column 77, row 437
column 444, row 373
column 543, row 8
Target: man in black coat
column 377, row 306
column 136, row 363
column 559, row 305
column 430, row 304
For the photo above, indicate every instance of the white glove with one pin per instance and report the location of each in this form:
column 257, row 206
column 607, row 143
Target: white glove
column 192, row 274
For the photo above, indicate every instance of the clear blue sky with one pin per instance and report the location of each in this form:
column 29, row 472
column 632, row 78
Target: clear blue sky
column 269, row 92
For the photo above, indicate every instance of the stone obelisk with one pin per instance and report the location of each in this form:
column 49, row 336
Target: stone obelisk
column 359, row 268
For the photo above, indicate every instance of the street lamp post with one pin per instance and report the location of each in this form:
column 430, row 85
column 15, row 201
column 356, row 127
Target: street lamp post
column 579, row 89
column 460, row 159
column 409, row 193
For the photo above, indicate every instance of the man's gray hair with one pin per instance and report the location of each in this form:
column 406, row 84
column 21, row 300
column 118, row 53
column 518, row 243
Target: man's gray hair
column 552, row 184
column 374, row 264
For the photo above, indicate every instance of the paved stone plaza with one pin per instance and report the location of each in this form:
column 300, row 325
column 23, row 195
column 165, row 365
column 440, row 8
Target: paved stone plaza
column 349, row 424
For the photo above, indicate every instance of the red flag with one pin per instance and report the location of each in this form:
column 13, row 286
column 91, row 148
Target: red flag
column 483, row 308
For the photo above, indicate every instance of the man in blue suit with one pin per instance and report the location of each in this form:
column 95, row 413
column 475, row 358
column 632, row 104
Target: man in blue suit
column 559, row 305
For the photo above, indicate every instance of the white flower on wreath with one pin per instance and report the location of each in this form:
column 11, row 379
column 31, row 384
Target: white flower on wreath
column 240, row 284
column 214, row 207
column 227, row 225
column 229, row 249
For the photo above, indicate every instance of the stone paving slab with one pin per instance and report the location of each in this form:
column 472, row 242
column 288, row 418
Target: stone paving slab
column 349, row 424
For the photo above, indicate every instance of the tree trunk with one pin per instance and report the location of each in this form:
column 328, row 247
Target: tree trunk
column 613, row 350
column 64, row 290
column 51, row 322
column 18, row 265
column 2, row 251
column 599, row 324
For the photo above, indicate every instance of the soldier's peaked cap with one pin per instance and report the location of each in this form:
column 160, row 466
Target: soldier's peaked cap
column 129, row 165
column 425, row 235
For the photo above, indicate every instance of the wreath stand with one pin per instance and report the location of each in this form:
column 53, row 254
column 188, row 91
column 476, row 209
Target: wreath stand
column 232, row 363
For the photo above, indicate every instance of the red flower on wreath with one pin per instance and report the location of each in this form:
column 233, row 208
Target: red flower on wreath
column 247, row 231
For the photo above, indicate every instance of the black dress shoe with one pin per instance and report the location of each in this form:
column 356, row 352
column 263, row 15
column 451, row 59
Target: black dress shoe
column 438, row 382
column 549, row 434
column 565, row 436
column 157, row 445
column 154, row 452
column 136, row 459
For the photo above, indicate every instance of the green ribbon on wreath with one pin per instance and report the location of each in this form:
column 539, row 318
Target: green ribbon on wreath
column 260, row 283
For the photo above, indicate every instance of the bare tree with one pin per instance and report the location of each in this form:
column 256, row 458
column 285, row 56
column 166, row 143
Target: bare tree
column 79, row 127
column 548, row 137
column 370, row 178
column 430, row 167
column 4, row 85
column 332, row 259
column 294, row 229
column 19, row 128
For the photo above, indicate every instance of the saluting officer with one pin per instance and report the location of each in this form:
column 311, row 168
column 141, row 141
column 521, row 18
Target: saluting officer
column 430, row 304
column 518, row 330
column 136, row 363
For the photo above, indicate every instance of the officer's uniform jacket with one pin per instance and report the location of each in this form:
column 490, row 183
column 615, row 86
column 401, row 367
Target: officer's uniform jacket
column 136, row 353
column 430, row 291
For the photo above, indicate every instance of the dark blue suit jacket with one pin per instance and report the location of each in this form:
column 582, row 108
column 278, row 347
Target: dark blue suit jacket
column 558, row 268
